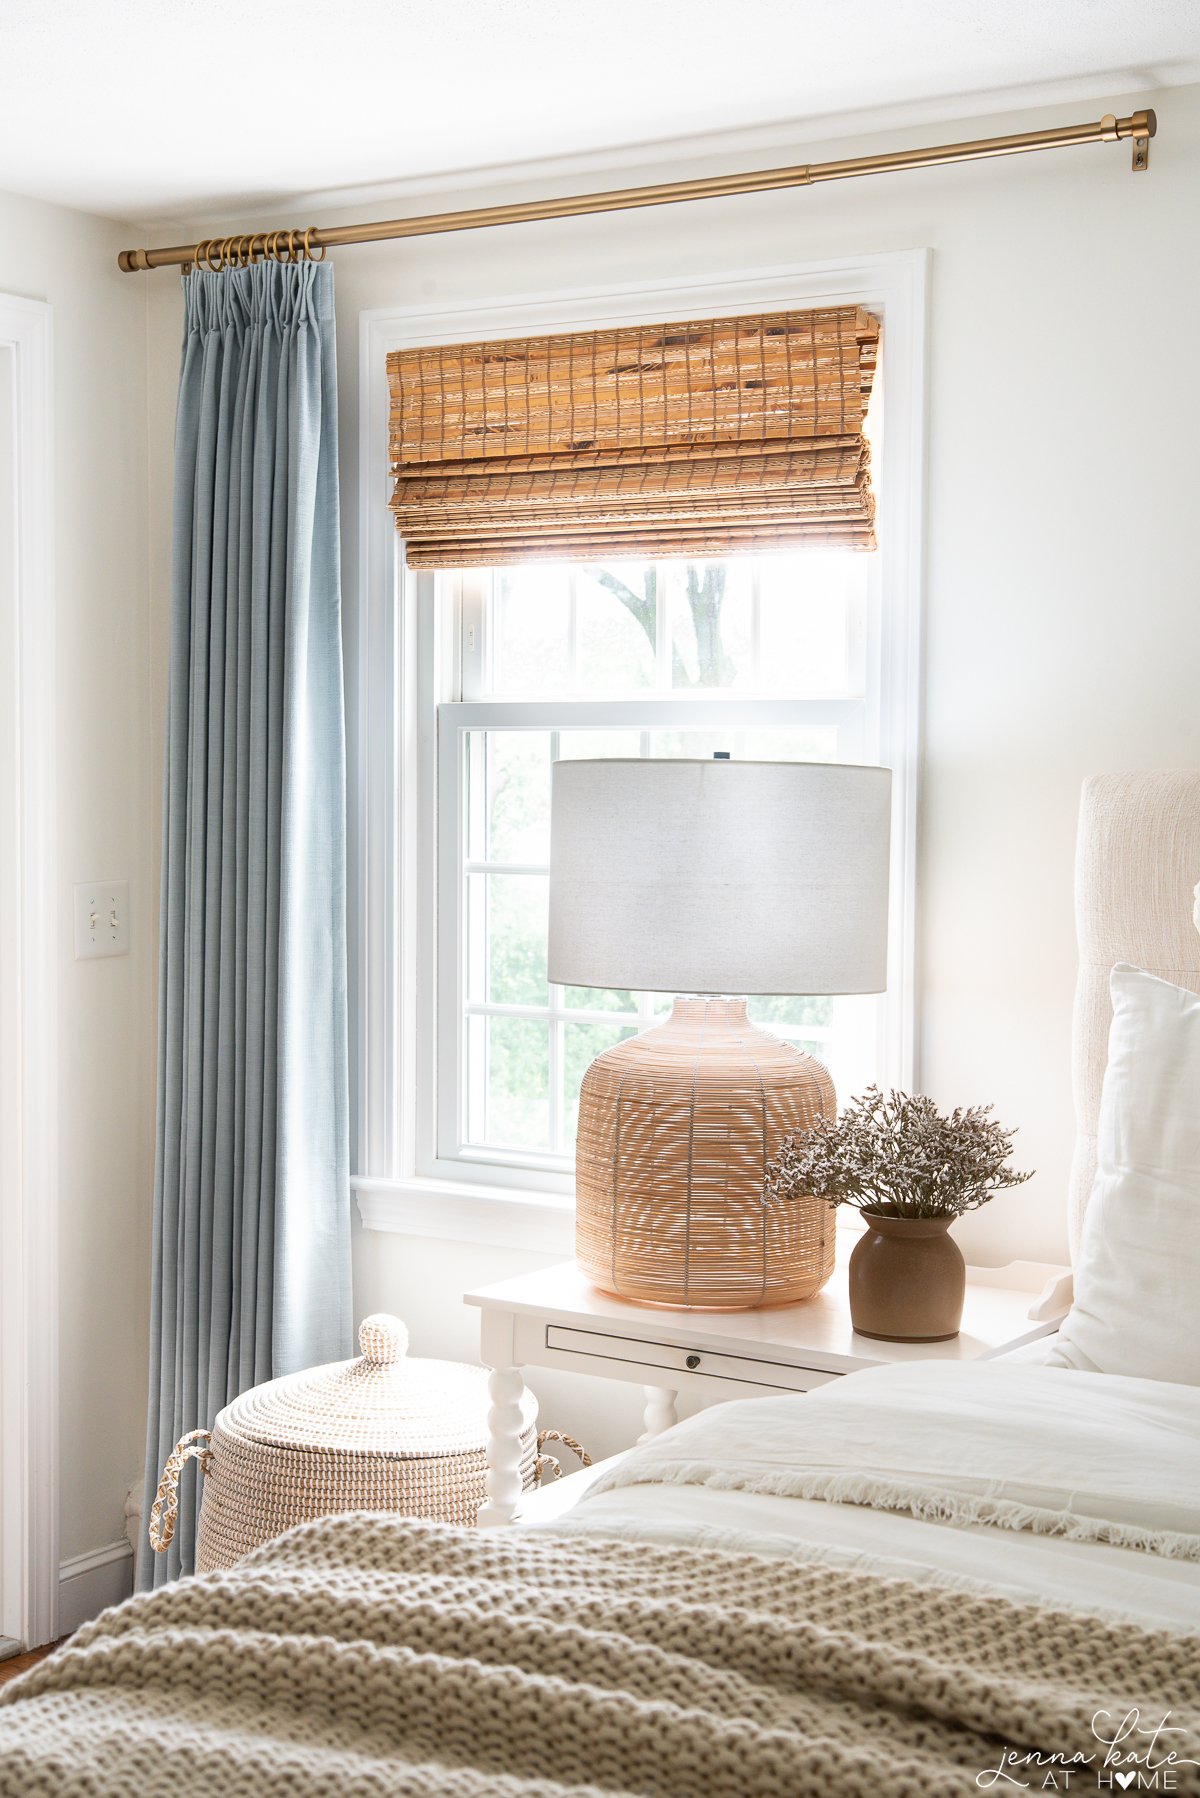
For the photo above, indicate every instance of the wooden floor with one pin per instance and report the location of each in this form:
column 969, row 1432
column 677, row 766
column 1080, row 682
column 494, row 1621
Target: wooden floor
column 21, row 1663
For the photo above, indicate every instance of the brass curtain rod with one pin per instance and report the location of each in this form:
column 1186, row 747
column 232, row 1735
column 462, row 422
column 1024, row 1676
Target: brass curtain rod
column 290, row 245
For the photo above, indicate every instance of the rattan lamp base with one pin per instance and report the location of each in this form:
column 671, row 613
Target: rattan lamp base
column 675, row 1129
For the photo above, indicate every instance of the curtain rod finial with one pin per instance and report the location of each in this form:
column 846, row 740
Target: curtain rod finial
column 1144, row 127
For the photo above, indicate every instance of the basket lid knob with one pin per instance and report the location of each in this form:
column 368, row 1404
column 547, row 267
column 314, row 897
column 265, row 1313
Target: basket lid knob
column 383, row 1339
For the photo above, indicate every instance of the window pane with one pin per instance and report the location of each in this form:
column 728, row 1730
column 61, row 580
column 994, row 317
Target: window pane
column 579, row 745
column 710, row 622
column 789, row 1013
column 506, row 939
column 841, row 1032
column 699, row 745
column 531, row 629
column 616, row 622
column 516, row 1085
column 816, row 744
column 516, row 801
column 852, row 1052
column 675, row 632
column 598, row 998
column 809, row 606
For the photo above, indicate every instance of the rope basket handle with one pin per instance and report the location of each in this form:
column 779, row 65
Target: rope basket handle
column 164, row 1513
column 552, row 1462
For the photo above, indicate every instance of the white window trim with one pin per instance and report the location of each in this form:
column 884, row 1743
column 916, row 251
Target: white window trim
column 393, row 751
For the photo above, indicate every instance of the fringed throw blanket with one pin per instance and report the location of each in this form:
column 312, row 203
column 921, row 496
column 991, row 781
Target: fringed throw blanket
column 1086, row 1457
column 371, row 1655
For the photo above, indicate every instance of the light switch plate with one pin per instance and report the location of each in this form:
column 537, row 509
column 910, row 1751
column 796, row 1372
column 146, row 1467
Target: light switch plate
column 101, row 919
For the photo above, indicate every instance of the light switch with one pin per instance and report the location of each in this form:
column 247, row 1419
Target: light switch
column 101, row 919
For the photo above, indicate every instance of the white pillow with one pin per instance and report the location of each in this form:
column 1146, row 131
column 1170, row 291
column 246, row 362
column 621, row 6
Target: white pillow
column 1137, row 1282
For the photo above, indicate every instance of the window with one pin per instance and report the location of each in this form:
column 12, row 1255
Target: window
column 462, row 686
column 770, row 657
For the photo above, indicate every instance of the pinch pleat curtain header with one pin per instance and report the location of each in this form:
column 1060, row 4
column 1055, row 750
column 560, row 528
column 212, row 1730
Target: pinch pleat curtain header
column 251, row 1271
column 700, row 438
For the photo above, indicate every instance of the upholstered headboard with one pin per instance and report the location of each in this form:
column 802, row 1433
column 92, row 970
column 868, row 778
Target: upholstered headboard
column 1137, row 862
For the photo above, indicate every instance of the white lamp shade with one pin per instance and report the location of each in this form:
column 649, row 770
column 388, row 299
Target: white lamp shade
column 719, row 876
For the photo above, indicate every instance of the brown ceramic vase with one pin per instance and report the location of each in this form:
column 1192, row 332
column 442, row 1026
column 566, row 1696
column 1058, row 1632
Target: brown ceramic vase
column 907, row 1279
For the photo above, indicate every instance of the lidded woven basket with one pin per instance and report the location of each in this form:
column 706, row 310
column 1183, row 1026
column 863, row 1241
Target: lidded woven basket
column 385, row 1432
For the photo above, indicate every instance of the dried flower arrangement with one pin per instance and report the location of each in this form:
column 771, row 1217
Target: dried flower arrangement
column 898, row 1155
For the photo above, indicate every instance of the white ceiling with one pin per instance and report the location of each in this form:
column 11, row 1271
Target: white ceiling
column 148, row 109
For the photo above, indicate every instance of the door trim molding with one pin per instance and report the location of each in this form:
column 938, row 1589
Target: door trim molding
column 29, row 1477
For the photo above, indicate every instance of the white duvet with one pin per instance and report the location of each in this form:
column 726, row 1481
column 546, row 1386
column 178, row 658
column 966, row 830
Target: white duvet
column 1081, row 1489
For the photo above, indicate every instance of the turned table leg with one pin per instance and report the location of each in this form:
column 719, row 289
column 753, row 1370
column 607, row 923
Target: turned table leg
column 506, row 1388
column 660, row 1412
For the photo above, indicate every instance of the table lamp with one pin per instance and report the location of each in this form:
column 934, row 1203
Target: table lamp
column 711, row 879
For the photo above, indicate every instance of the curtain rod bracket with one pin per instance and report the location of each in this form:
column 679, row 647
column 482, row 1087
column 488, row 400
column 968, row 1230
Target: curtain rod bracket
column 1141, row 155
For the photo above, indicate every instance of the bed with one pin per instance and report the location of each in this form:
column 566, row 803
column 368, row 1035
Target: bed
column 917, row 1580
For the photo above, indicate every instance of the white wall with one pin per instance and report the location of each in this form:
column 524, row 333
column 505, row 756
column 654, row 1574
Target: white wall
column 1062, row 623
column 108, row 784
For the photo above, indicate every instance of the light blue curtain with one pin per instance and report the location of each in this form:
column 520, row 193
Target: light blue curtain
column 251, row 1272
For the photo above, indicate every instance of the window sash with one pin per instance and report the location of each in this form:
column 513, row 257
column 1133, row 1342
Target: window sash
column 456, row 723
column 469, row 589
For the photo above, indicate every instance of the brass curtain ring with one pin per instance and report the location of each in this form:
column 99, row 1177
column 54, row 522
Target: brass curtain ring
column 198, row 258
column 291, row 255
column 270, row 245
column 243, row 259
column 214, row 267
column 226, row 246
column 308, row 255
column 251, row 252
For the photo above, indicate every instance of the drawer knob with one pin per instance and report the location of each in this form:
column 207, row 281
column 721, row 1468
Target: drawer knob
column 692, row 1361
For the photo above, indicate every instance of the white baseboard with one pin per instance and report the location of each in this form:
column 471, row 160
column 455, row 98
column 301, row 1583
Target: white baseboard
column 88, row 1584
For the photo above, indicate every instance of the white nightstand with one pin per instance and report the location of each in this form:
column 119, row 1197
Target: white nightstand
column 557, row 1319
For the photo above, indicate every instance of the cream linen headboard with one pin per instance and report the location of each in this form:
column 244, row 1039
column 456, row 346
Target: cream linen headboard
column 1137, row 861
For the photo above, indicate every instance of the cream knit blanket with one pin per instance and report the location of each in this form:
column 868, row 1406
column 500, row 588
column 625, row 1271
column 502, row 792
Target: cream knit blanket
column 372, row 1655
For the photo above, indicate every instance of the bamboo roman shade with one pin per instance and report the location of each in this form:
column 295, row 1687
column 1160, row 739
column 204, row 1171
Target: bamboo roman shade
column 695, row 439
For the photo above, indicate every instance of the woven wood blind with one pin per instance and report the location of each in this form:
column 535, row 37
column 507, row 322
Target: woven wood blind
column 696, row 439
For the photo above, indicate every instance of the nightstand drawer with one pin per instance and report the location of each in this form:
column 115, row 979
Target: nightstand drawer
column 658, row 1357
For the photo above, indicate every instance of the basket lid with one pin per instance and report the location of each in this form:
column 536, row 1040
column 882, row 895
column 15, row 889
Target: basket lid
column 384, row 1403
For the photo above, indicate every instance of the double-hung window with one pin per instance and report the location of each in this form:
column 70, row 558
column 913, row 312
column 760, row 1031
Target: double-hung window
column 769, row 658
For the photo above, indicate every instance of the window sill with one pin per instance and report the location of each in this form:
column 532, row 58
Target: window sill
column 458, row 1212
column 455, row 1211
